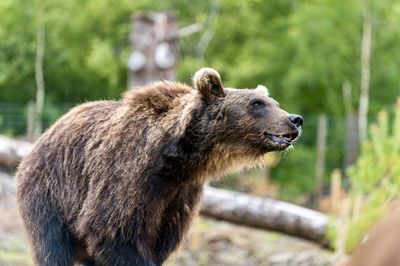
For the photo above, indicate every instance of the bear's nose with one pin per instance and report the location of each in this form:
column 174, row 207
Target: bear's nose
column 296, row 120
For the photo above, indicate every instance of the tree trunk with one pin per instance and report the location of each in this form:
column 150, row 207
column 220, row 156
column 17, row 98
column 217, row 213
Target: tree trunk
column 39, row 76
column 211, row 20
column 226, row 205
column 154, row 56
column 365, row 72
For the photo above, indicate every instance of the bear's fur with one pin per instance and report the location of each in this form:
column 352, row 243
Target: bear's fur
column 118, row 182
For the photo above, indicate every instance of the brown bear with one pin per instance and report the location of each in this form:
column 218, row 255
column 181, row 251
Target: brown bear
column 118, row 182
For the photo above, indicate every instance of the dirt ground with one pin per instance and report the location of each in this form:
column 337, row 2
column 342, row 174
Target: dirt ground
column 210, row 242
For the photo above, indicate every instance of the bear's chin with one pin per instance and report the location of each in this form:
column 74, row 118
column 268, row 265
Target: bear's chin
column 270, row 146
column 281, row 147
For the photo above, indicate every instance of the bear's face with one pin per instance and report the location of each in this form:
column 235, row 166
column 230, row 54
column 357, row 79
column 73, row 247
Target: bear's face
column 254, row 119
column 250, row 118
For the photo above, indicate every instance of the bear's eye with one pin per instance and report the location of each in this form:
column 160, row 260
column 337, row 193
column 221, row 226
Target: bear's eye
column 257, row 104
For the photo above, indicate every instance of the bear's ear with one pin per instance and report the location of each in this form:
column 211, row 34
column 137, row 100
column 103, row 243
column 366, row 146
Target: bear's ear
column 263, row 89
column 208, row 82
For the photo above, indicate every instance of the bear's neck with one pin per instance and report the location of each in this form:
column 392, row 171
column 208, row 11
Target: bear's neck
column 226, row 158
column 204, row 157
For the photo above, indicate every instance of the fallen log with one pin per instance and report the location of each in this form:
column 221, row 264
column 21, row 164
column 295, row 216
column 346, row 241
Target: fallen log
column 12, row 151
column 265, row 213
column 231, row 206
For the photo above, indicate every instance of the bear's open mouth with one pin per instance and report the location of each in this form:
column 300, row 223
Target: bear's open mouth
column 283, row 138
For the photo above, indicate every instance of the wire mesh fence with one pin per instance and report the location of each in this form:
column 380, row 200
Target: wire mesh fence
column 14, row 117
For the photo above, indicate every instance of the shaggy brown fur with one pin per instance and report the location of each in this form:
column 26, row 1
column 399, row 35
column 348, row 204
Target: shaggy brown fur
column 118, row 182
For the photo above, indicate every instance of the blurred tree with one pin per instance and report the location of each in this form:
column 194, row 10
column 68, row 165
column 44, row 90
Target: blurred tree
column 39, row 75
column 366, row 43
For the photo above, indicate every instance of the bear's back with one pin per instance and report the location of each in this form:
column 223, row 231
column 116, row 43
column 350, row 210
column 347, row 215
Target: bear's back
column 56, row 165
column 103, row 147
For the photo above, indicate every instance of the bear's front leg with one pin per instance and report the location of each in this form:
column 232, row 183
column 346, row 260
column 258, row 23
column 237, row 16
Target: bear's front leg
column 176, row 220
column 117, row 252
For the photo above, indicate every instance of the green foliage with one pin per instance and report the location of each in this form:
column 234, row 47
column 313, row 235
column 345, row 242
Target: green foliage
column 326, row 53
column 375, row 179
column 101, row 60
column 294, row 173
column 52, row 112
column 296, row 48
column 378, row 165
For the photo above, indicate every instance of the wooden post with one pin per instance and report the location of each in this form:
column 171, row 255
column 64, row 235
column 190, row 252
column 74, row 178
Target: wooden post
column 351, row 137
column 154, row 56
column 336, row 192
column 342, row 232
column 320, row 163
column 30, row 119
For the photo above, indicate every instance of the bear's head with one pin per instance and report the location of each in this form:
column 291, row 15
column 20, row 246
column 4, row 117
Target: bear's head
column 249, row 118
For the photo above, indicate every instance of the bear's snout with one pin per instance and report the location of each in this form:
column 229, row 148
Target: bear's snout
column 296, row 120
